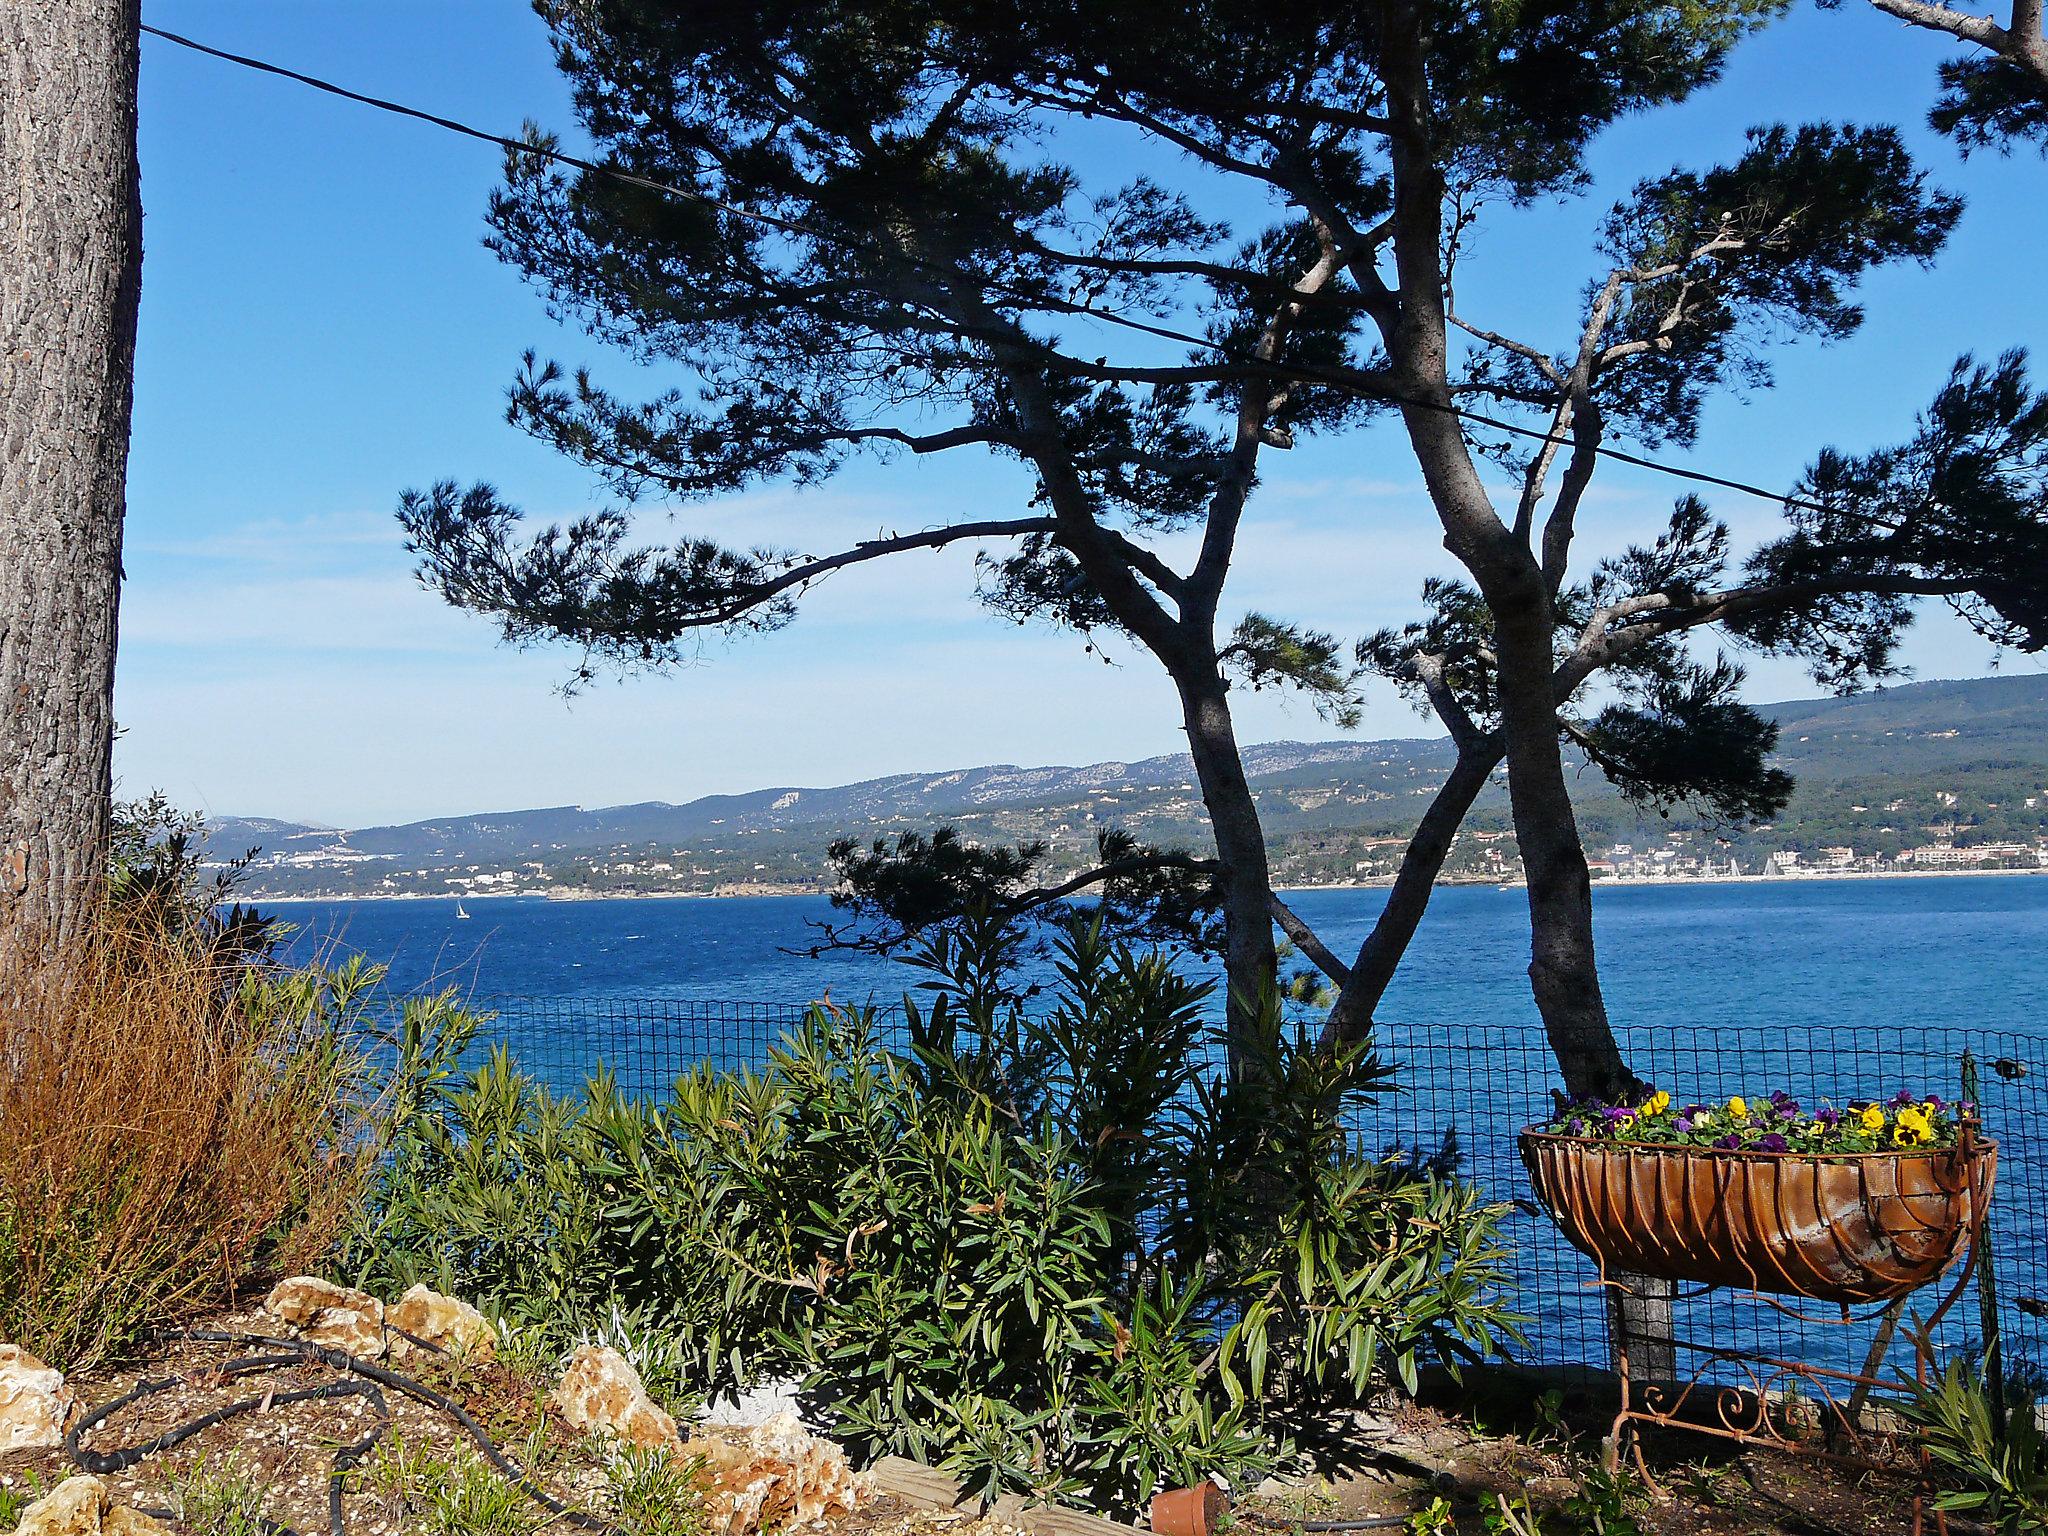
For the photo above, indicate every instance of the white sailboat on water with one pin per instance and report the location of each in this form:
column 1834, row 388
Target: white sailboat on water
column 458, row 909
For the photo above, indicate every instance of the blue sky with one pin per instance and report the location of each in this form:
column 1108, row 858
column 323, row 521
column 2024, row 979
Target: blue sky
column 321, row 328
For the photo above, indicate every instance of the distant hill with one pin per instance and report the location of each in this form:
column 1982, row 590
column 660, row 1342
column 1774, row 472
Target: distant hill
column 1327, row 804
column 910, row 797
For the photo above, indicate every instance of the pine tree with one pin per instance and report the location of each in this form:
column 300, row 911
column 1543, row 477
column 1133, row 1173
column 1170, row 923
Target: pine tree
column 71, row 246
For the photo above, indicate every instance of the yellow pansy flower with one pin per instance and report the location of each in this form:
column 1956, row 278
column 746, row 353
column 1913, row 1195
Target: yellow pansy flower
column 1738, row 1108
column 1657, row 1103
column 1873, row 1118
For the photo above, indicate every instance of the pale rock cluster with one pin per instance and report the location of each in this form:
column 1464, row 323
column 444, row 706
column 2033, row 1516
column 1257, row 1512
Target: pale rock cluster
column 601, row 1393
column 769, row 1476
column 82, row 1506
column 35, row 1405
column 779, row 1477
column 359, row 1324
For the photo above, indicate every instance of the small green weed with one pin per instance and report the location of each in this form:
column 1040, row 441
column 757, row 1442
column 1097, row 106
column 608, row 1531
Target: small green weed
column 221, row 1498
column 654, row 1493
column 1306, row 1501
column 1606, row 1504
column 472, row 1499
column 13, row 1500
column 1709, row 1484
column 529, row 1354
column 458, row 1494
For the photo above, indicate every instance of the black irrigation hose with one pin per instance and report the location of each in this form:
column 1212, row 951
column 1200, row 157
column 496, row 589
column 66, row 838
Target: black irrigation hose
column 304, row 1352
column 101, row 1463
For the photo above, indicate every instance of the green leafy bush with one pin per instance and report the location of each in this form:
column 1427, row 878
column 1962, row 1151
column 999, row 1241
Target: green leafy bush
column 2003, row 1469
column 1054, row 1252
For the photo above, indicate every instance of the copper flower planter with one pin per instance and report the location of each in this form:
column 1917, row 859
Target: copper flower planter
column 1839, row 1227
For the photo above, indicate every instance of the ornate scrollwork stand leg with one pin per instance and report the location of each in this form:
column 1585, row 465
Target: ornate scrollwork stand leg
column 1743, row 1410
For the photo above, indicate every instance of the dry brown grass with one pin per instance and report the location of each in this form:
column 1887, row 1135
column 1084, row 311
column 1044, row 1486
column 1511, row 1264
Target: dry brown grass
column 168, row 1126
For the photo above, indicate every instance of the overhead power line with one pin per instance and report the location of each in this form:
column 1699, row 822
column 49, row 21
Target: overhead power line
column 794, row 227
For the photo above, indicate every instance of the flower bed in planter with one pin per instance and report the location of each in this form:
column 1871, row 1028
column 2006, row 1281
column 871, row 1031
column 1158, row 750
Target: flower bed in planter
column 1843, row 1206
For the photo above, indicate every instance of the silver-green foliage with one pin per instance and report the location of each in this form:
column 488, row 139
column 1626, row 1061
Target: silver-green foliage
column 1060, row 1251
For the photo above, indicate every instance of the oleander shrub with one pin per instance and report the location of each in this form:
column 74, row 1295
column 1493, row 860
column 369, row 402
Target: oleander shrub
column 1055, row 1251
column 175, row 1118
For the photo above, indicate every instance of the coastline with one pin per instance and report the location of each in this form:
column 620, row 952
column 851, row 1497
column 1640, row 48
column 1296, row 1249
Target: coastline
column 1811, row 877
column 1814, row 877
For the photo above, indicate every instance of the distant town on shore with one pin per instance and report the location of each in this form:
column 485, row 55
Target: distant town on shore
column 1924, row 778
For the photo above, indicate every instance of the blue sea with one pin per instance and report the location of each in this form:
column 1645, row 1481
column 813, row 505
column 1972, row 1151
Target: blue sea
column 1795, row 952
column 1834, row 989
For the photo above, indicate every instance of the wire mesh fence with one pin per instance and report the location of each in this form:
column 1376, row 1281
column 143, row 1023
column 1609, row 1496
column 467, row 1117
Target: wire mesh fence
column 1462, row 1092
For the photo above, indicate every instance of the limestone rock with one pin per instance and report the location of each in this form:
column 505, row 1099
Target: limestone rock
column 72, row 1508
column 35, row 1405
column 600, row 1392
column 776, row 1476
column 454, row 1326
column 81, row 1506
column 330, row 1314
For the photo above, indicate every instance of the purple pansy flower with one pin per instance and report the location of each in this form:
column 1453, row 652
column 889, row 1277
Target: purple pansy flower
column 1901, row 1099
column 1771, row 1143
column 1729, row 1143
column 1829, row 1117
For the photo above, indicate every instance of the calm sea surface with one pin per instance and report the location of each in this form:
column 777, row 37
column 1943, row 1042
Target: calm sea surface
column 1893, row 952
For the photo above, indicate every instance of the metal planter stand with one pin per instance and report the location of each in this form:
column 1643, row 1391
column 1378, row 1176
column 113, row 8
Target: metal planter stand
column 1854, row 1230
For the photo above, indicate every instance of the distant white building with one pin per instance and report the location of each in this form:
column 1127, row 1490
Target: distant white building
column 1945, row 855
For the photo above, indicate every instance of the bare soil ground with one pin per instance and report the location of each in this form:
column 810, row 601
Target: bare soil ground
column 425, row 1473
column 1492, row 1435
column 1500, row 1434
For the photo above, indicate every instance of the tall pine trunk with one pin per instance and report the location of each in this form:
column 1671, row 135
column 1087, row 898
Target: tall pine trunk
column 1563, row 972
column 70, row 280
column 1249, row 958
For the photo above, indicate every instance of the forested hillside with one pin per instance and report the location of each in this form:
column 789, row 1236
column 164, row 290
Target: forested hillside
column 1879, row 773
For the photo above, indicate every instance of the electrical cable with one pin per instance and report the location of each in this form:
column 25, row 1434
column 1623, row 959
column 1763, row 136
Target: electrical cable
column 1302, row 372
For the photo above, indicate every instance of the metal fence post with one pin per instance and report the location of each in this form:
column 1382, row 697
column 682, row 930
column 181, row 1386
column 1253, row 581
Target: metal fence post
column 1987, row 1279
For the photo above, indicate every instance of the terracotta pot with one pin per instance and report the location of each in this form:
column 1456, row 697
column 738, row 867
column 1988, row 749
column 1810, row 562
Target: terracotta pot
column 1842, row 1227
column 1188, row 1511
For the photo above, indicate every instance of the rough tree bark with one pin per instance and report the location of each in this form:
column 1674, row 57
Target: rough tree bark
column 71, row 252
column 1562, row 966
column 1249, row 956
column 2022, row 42
column 1564, row 977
